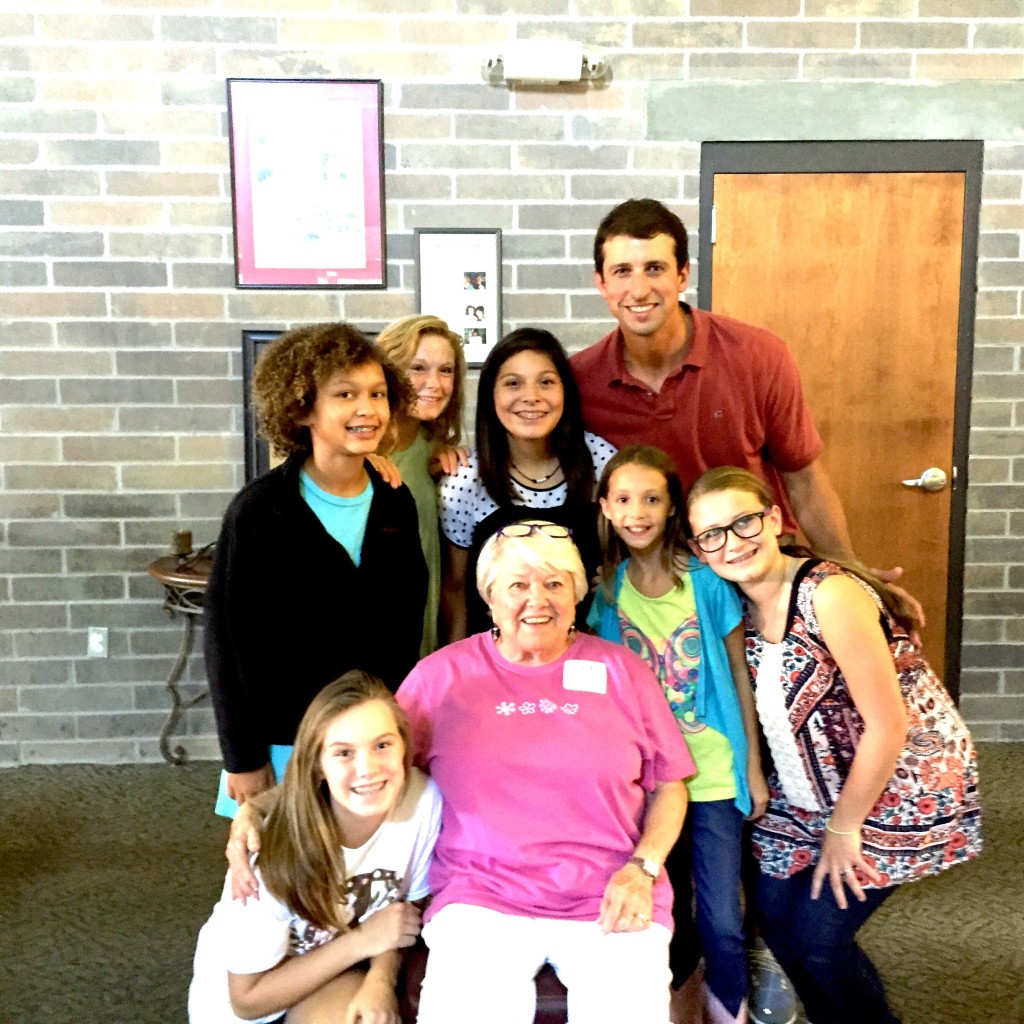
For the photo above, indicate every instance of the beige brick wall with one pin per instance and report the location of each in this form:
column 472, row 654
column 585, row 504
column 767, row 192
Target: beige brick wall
column 120, row 398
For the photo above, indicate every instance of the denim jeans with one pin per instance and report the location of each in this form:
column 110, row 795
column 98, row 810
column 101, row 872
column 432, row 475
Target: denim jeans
column 708, row 852
column 814, row 943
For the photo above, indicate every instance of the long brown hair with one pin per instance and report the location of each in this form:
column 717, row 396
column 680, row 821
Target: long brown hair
column 567, row 441
column 301, row 858
column 732, row 478
column 614, row 550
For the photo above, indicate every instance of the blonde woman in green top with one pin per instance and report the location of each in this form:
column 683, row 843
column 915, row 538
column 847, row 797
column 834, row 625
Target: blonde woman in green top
column 427, row 437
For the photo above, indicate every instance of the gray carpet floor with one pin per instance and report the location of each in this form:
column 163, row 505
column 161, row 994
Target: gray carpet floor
column 107, row 873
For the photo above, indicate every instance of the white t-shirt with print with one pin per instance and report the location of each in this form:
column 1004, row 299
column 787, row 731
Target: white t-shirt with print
column 247, row 939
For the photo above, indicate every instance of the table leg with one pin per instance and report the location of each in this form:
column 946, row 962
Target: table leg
column 179, row 706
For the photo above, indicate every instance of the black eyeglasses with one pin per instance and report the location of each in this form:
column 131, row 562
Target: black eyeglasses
column 525, row 529
column 744, row 527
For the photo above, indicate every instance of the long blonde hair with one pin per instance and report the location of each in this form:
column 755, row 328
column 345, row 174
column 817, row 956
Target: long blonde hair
column 301, row 858
column 400, row 339
column 732, row 478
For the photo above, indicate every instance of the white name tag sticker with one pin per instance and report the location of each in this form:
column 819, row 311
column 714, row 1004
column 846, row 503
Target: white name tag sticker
column 585, row 676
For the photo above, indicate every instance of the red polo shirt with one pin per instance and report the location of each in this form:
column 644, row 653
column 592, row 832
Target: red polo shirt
column 736, row 400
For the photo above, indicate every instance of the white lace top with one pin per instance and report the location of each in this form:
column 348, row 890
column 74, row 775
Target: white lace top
column 771, row 710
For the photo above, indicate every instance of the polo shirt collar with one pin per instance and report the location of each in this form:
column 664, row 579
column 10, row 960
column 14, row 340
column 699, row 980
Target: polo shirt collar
column 697, row 356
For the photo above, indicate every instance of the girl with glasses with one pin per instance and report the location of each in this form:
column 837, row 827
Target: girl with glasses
column 875, row 780
column 531, row 453
column 685, row 622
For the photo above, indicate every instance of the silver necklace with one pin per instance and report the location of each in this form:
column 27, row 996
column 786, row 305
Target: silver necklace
column 536, row 479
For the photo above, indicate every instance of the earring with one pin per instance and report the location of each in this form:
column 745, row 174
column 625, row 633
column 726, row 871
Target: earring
column 572, row 632
column 495, row 633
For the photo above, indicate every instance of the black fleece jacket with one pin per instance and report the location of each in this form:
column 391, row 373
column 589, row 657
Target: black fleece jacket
column 288, row 611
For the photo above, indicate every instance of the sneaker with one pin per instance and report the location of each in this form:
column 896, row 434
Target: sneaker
column 772, row 999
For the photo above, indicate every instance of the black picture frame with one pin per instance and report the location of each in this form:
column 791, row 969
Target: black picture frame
column 257, row 450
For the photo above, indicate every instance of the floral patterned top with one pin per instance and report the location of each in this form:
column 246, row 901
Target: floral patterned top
column 928, row 817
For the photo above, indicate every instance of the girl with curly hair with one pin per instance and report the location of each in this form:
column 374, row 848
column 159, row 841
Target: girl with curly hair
column 305, row 562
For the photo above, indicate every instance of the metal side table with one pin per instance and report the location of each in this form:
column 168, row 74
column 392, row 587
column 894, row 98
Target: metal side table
column 184, row 579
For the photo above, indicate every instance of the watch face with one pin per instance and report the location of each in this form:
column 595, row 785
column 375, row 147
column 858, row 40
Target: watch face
column 651, row 868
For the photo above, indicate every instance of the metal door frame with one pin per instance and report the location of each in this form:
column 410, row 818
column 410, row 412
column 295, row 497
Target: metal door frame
column 961, row 156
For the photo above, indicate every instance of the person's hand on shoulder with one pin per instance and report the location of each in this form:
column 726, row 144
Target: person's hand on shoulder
column 388, row 471
column 448, row 460
column 242, row 786
column 243, row 841
column 889, row 577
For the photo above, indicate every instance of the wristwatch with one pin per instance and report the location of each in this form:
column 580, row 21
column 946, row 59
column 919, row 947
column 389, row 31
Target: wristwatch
column 651, row 868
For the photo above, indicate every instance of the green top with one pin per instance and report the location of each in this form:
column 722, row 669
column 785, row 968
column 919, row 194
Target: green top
column 412, row 464
column 665, row 632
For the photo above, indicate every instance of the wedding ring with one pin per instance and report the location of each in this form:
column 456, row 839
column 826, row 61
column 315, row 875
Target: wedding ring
column 642, row 918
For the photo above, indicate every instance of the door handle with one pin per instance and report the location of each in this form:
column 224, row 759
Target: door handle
column 933, row 479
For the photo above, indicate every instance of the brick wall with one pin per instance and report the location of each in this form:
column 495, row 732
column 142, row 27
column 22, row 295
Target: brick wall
column 120, row 395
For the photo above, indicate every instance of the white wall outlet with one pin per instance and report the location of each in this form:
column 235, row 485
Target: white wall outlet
column 98, row 636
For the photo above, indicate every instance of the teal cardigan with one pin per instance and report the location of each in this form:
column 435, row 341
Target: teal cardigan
column 718, row 613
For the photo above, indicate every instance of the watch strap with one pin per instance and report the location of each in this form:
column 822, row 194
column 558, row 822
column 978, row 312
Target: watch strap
column 651, row 868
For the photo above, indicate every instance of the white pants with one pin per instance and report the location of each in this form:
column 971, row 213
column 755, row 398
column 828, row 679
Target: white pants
column 482, row 964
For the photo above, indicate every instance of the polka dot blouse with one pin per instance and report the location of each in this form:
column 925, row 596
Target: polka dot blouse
column 464, row 503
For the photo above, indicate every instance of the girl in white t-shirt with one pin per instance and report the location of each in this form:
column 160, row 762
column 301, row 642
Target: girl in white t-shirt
column 344, row 852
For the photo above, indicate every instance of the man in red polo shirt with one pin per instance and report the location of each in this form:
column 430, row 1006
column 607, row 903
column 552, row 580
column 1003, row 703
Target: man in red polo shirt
column 709, row 390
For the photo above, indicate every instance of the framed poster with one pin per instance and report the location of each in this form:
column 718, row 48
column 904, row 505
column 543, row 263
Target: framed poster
column 307, row 183
column 258, row 457
column 458, row 278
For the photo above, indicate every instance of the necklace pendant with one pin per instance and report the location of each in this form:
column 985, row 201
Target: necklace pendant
column 536, row 479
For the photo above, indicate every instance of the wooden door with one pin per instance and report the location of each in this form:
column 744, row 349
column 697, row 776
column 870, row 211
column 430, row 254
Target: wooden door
column 861, row 274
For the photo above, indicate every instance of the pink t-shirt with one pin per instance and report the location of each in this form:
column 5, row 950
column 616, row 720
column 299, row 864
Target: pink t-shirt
column 544, row 772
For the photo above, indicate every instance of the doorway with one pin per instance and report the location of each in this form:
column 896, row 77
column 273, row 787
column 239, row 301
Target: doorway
column 863, row 256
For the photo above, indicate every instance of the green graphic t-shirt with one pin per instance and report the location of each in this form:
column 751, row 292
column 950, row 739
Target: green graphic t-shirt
column 665, row 632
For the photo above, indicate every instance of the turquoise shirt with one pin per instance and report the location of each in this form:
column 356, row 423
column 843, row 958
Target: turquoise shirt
column 343, row 518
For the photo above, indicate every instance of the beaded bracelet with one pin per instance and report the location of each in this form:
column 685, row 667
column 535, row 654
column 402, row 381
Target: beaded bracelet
column 836, row 832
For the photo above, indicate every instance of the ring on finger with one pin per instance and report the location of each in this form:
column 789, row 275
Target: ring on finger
column 643, row 918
